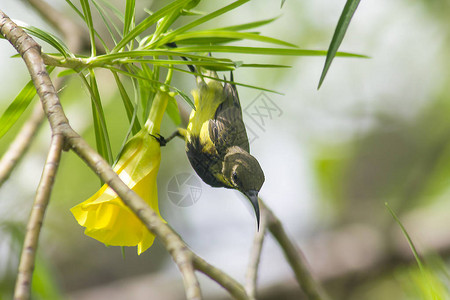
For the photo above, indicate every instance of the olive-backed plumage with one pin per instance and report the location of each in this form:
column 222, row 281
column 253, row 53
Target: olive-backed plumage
column 216, row 140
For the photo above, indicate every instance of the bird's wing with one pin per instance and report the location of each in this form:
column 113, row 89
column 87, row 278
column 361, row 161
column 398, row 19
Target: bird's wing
column 228, row 130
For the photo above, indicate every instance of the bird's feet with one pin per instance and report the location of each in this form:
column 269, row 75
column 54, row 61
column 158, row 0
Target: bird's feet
column 180, row 132
column 162, row 141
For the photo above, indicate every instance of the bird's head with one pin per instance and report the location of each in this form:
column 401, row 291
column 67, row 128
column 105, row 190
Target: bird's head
column 243, row 173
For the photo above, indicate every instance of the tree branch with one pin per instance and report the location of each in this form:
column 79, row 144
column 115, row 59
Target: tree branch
column 232, row 286
column 294, row 256
column 27, row 259
column 31, row 54
column 255, row 257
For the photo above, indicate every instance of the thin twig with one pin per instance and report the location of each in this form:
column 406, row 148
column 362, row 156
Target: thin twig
column 255, row 257
column 31, row 54
column 294, row 257
column 232, row 286
column 27, row 258
column 21, row 143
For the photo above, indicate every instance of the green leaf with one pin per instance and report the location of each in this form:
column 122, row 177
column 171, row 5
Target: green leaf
column 17, row 108
column 338, row 36
column 114, row 9
column 129, row 16
column 248, row 25
column 405, row 233
column 80, row 14
column 149, row 21
column 100, row 129
column 233, row 82
column 207, row 41
column 67, row 72
column 49, row 38
column 88, row 18
column 173, row 112
column 192, row 13
column 262, row 51
column 107, row 21
column 211, row 34
column 146, row 88
column 129, row 107
column 184, row 96
column 109, row 58
column 212, row 65
column 167, row 62
column 197, row 22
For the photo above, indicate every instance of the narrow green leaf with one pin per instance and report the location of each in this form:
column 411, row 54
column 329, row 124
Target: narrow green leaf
column 282, row 3
column 230, row 34
column 108, row 22
column 109, row 58
column 173, row 111
column 114, row 9
column 88, row 18
column 165, row 62
column 129, row 16
column 100, row 129
column 129, row 107
column 192, row 13
column 67, row 72
column 146, row 87
column 338, row 36
column 207, row 41
column 272, row 66
column 212, row 65
column 405, row 233
column 248, row 25
column 197, row 22
column 184, row 96
column 149, row 21
column 49, row 38
column 80, row 14
column 17, row 108
column 262, row 51
column 234, row 82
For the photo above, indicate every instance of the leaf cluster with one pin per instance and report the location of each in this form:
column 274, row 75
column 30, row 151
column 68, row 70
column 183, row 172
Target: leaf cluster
column 143, row 51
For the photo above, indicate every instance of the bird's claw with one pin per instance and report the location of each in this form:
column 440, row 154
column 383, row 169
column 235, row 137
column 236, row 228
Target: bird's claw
column 162, row 141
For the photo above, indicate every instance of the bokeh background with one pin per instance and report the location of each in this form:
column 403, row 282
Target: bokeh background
column 377, row 131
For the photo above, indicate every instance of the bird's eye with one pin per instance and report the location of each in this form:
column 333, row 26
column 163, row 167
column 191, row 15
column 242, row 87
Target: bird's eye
column 235, row 177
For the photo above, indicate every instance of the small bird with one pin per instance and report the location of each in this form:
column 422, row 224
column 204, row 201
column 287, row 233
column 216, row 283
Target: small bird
column 216, row 140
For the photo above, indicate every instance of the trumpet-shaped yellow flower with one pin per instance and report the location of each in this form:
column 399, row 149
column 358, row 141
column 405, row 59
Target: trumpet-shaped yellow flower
column 106, row 218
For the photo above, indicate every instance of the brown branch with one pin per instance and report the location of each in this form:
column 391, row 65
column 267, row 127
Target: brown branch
column 255, row 257
column 232, row 286
column 31, row 54
column 27, row 259
column 294, row 256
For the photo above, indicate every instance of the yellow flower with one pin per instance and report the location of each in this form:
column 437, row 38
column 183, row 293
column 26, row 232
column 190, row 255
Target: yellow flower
column 106, row 218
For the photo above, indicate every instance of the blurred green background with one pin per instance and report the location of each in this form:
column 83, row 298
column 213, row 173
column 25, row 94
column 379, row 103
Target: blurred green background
column 377, row 131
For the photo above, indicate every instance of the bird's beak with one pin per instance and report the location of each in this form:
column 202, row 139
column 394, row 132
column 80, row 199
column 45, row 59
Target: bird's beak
column 252, row 195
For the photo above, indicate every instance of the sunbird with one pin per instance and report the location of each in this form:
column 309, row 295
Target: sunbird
column 216, row 140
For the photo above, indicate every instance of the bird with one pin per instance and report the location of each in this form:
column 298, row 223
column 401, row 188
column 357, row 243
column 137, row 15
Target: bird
column 216, row 140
